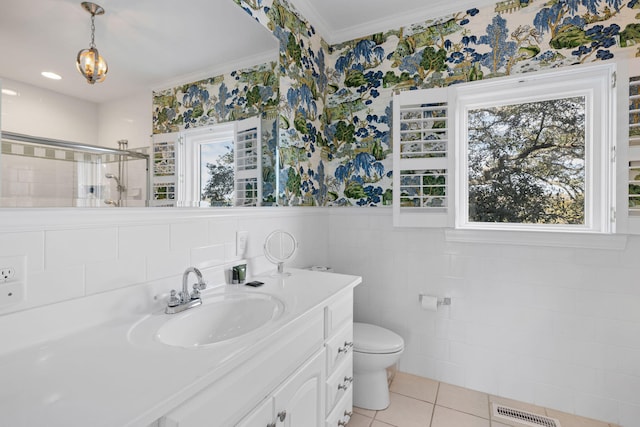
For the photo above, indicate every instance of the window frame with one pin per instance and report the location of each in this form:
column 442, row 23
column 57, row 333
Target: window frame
column 188, row 160
column 595, row 83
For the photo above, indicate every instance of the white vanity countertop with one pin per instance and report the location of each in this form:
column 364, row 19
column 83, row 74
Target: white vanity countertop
column 111, row 376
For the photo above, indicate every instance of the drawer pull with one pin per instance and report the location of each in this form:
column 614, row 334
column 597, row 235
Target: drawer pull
column 343, row 386
column 346, row 347
column 343, row 423
column 348, row 379
column 282, row 415
column 348, row 414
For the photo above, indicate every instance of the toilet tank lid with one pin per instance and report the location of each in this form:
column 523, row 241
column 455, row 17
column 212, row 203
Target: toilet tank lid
column 369, row 338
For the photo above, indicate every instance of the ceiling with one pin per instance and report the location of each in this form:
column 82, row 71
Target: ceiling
column 146, row 43
column 342, row 20
column 158, row 43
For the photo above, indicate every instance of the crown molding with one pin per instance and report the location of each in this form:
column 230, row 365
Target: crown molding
column 399, row 19
column 246, row 62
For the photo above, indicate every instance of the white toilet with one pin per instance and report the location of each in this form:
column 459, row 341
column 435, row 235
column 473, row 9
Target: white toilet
column 374, row 350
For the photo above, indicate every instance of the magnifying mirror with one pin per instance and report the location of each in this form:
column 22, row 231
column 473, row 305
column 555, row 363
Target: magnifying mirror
column 279, row 247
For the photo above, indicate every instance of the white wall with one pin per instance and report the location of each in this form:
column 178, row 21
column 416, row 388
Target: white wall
column 77, row 253
column 557, row 327
column 129, row 118
column 41, row 112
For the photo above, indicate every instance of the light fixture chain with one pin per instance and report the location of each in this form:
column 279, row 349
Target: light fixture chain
column 93, row 30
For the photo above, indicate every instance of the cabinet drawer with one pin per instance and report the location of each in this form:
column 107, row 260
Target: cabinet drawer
column 237, row 392
column 339, row 312
column 341, row 414
column 339, row 347
column 339, row 384
column 260, row 416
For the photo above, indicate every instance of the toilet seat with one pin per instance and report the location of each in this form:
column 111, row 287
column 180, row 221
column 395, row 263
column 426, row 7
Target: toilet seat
column 373, row 339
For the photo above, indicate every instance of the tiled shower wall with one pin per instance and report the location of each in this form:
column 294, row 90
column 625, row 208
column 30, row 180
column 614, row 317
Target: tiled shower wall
column 559, row 327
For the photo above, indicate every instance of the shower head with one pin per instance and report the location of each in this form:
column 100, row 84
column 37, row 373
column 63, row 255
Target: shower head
column 120, row 187
column 112, row 176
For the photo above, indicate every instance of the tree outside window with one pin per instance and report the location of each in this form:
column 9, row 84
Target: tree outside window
column 527, row 162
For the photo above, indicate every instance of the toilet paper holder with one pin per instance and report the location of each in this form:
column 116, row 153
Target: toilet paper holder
column 441, row 301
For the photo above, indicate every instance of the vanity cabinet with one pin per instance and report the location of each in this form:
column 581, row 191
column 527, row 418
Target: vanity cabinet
column 301, row 378
column 339, row 346
column 296, row 403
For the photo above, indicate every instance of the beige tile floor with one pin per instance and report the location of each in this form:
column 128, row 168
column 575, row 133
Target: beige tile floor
column 421, row 402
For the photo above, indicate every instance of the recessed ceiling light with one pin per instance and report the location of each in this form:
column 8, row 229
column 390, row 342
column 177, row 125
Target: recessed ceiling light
column 9, row 92
column 50, row 75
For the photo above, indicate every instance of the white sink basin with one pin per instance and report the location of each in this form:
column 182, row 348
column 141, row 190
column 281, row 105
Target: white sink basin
column 220, row 319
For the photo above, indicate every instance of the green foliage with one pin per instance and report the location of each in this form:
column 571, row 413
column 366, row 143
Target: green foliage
column 300, row 123
column 475, row 73
column 253, row 96
column 387, row 197
column 377, row 151
column 526, row 162
column 354, row 78
column 433, row 60
column 294, row 50
column 353, row 190
column 434, row 185
column 390, row 79
column 569, row 37
column 345, row 132
column 293, row 182
column 631, row 33
column 197, row 111
column 219, row 188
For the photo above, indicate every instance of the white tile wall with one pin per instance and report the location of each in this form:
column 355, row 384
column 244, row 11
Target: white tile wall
column 551, row 326
column 73, row 254
column 558, row 327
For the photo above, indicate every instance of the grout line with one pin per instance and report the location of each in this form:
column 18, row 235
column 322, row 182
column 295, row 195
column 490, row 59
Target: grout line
column 435, row 401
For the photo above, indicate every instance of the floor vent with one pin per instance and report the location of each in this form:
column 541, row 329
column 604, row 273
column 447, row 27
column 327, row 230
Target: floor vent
column 523, row 417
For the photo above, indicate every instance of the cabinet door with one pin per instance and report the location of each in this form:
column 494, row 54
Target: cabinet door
column 262, row 416
column 300, row 402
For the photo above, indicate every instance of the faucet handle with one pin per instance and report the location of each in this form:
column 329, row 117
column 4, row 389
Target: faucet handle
column 173, row 300
column 201, row 285
column 196, row 291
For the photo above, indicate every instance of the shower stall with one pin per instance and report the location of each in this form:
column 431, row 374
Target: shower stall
column 43, row 172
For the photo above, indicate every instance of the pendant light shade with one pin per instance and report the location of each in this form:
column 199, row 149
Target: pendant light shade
column 91, row 65
column 89, row 62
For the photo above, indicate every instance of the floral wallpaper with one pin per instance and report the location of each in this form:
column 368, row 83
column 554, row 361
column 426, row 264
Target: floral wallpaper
column 303, row 89
column 237, row 95
column 336, row 100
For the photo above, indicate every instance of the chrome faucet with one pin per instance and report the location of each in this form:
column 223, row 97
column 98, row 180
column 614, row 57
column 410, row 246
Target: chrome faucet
column 184, row 300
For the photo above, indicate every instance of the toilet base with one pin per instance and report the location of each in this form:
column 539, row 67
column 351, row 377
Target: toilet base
column 371, row 390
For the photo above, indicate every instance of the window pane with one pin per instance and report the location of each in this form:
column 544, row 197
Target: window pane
column 527, row 162
column 216, row 173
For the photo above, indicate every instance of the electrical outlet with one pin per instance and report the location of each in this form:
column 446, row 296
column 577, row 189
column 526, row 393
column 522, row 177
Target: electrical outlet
column 13, row 268
column 11, row 293
column 241, row 242
column 6, row 273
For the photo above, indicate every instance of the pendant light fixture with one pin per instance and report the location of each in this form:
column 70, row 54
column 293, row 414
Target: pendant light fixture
column 89, row 62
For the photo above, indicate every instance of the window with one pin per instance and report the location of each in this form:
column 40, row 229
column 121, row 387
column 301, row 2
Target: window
column 220, row 165
column 531, row 152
